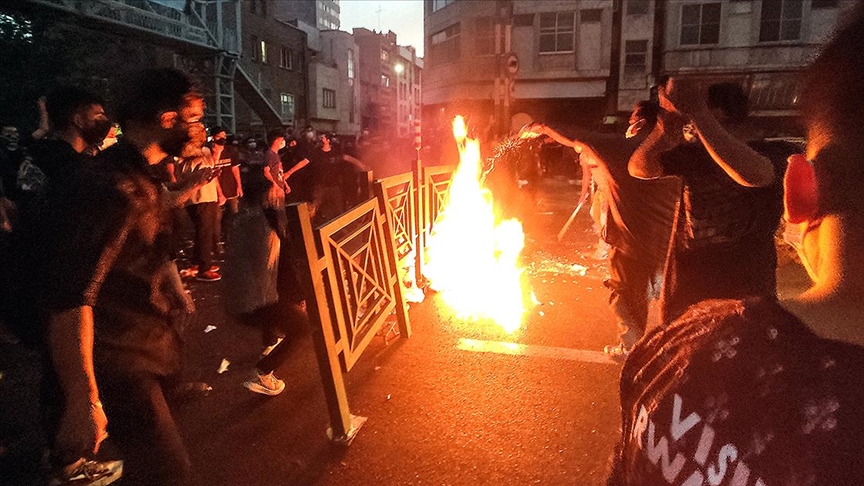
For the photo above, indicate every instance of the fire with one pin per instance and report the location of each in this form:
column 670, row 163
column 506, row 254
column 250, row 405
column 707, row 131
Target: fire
column 473, row 256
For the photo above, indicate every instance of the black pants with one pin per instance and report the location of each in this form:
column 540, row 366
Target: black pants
column 141, row 425
column 629, row 283
column 205, row 218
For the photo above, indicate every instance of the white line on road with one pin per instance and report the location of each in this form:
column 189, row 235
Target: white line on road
column 515, row 349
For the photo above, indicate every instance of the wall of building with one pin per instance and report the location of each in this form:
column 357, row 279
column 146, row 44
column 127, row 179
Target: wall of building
column 376, row 78
column 339, row 48
column 636, row 59
column 277, row 75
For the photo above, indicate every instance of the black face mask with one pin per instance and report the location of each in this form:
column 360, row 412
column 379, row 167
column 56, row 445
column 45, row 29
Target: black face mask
column 219, row 141
column 96, row 133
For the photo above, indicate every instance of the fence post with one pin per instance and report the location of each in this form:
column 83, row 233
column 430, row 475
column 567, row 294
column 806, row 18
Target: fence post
column 343, row 425
column 419, row 219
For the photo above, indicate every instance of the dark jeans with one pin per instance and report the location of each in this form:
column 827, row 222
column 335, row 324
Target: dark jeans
column 629, row 283
column 328, row 203
column 205, row 218
column 141, row 425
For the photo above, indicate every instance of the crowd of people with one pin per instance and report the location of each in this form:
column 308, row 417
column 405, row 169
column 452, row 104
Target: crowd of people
column 93, row 215
column 731, row 386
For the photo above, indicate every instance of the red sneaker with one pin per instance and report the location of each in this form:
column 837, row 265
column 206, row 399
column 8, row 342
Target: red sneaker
column 208, row 276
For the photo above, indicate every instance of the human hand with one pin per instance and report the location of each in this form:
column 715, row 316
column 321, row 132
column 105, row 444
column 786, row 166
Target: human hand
column 83, row 426
column 7, row 207
column 683, row 96
column 532, row 130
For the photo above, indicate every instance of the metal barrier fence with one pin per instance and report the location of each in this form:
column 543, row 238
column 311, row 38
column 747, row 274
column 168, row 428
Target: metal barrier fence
column 356, row 277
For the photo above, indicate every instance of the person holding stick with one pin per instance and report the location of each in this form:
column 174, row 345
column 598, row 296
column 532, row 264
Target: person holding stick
column 639, row 220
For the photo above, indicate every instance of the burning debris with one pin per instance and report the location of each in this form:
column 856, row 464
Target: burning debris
column 473, row 254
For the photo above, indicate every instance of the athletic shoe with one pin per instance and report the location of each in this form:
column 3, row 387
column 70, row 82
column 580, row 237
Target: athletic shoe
column 208, row 276
column 617, row 351
column 88, row 473
column 265, row 384
column 270, row 348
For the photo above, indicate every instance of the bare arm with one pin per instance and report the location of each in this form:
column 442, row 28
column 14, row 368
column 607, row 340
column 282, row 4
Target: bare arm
column 44, row 124
column 666, row 135
column 235, row 171
column 355, row 162
column 744, row 165
column 70, row 337
column 294, row 168
column 741, row 163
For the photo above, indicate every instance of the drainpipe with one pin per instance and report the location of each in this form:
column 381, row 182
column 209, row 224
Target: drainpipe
column 614, row 61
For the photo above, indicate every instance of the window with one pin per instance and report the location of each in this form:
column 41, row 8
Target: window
column 439, row 4
column 637, row 7
column 445, row 45
column 329, row 97
column 350, row 64
column 781, row 20
column 286, row 102
column 700, row 24
column 286, row 58
column 385, row 80
column 255, row 48
column 557, row 31
column 484, row 37
column 635, row 56
column 263, row 53
column 385, row 56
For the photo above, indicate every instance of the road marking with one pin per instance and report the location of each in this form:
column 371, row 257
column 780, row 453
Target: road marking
column 515, row 349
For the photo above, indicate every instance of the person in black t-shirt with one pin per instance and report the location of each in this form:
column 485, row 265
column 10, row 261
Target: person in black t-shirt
column 723, row 242
column 638, row 224
column 112, row 288
column 328, row 170
column 760, row 392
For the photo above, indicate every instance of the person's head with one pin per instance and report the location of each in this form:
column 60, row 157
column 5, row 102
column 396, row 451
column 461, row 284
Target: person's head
column 219, row 136
column 162, row 106
column 9, row 136
column 326, row 141
column 72, row 109
column 276, row 138
column 729, row 101
column 309, row 133
column 251, row 144
column 824, row 187
column 643, row 117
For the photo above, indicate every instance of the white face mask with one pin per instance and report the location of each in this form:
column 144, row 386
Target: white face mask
column 793, row 235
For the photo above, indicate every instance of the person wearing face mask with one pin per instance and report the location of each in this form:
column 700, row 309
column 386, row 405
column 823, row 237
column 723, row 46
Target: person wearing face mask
column 111, row 336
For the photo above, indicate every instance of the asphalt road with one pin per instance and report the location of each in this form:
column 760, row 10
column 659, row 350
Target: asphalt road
column 447, row 406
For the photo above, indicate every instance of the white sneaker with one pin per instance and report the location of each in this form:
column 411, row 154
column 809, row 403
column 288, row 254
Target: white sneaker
column 88, row 473
column 270, row 348
column 265, row 384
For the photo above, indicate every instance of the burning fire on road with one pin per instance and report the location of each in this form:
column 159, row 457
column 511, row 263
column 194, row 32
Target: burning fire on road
column 473, row 254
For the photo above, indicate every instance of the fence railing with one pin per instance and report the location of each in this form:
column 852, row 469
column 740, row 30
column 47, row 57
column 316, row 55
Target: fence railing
column 358, row 264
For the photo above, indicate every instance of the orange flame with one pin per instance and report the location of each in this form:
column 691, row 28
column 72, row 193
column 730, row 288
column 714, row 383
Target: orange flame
column 473, row 256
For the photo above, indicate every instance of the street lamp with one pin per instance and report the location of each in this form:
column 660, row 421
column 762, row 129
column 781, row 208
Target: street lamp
column 398, row 68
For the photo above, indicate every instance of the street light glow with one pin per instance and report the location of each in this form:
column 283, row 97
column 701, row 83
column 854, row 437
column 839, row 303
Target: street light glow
column 398, row 68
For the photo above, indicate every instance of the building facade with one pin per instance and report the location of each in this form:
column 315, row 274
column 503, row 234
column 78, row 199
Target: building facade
column 547, row 59
column 323, row 14
column 586, row 62
column 333, row 90
column 274, row 57
column 408, row 75
column 377, row 83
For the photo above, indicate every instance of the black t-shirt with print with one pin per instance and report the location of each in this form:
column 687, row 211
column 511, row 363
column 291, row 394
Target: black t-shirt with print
column 741, row 393
column 228, row 159
column 723, row 245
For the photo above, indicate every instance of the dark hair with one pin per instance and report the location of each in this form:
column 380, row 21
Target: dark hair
column 832, row 111
column 647, row 110
column 274, row 134
column 217, row 129
column 151, row 92
column 730, row 98
column 65, row 102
